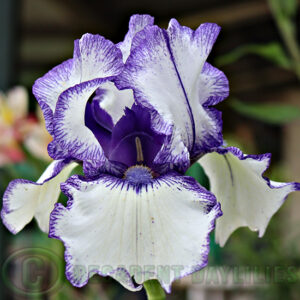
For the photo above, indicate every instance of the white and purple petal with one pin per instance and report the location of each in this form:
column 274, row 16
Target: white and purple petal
column 167, row 71
column 246, row 196
column 24, row 200
column 129, row 227
column 70, row 130
column 136, row 24
column 94, row 57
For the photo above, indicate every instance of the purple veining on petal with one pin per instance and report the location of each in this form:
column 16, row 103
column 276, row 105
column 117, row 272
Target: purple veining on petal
column 70, row 131
column 136, row 24
column 178, row 55
column 49, row 84
column 213, row 135
column 221, row 85
column 191, row 143
column 92, row 168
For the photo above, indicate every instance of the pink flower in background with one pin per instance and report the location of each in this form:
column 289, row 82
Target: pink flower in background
column 18, row 127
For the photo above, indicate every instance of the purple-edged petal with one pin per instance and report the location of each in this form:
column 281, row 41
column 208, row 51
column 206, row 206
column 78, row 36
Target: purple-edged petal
column 94, row 57
column 24, row 200
column 70, row 130
column 111, row 224
column 136, row 24
column 247, row 198
column 167, row 72
column 47, row 88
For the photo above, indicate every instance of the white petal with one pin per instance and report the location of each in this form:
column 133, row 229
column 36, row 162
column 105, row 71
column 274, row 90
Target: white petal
column 246, row 197
column 24, row 199
column 114, row 101
column 109, row 222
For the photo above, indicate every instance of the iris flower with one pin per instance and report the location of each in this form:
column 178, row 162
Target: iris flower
column 136, row 115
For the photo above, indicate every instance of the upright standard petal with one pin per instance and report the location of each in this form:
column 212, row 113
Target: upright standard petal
column 159, row 229
column 136, row 24
column 94, row 57
column 247, row 198
column 167, row 72
column 24, row 200
column 70, row 130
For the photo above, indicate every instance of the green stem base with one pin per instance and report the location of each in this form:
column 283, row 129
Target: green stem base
column 154, row 290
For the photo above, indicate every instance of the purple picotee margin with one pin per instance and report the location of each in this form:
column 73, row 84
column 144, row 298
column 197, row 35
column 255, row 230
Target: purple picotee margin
column 112, row 182
column 295, row 186
column 260, row 157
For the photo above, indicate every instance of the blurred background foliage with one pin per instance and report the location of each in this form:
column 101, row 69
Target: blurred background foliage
column 257, row 50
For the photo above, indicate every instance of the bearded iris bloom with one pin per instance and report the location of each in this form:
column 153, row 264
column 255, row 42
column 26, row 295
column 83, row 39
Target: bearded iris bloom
column 136, row 115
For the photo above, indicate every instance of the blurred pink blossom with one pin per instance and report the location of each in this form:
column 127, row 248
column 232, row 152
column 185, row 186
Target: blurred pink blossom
column 18, row 127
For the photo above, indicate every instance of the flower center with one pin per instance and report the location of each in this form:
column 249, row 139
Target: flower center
column 138, row 174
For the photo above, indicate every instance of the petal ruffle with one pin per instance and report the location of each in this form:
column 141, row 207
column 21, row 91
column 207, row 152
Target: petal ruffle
column 136, row 24
column 94, row 57
column 167, row 71
column 127, row 230
column 247, row 198
column 24, row 200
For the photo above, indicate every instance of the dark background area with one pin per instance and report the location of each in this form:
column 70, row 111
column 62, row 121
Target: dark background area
column 36, row 35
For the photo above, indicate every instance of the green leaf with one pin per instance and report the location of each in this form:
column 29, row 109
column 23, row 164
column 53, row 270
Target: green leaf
column 197, row 172
column 271, row 113
column 272, row 52
column 287, row 8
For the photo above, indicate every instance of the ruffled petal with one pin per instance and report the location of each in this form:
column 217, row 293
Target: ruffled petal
column 247, row 198
column 136, row 24
column 24, row 199
column 94, row 57
column 118, row 229
column 167, row 72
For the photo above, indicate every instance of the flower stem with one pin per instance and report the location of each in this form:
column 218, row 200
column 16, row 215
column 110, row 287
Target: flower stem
column 154, row 290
